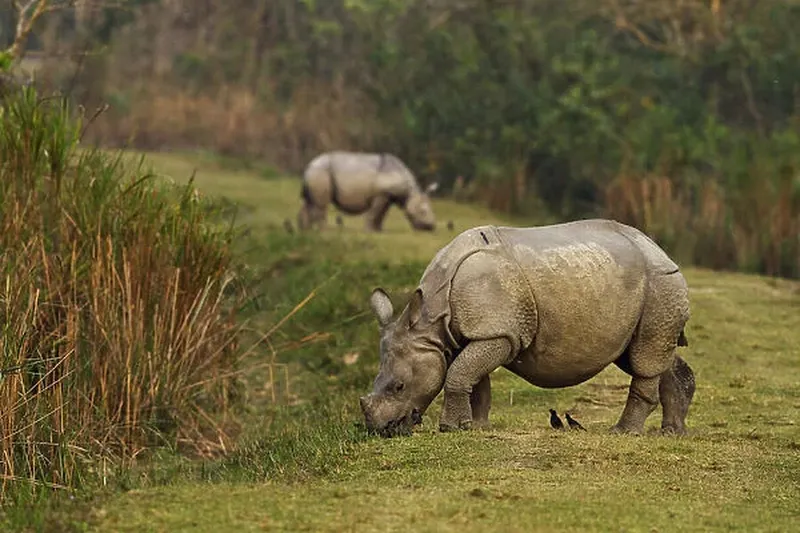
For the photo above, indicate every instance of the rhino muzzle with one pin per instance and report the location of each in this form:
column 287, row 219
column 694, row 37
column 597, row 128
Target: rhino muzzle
column 421, row 225
column 392, row 427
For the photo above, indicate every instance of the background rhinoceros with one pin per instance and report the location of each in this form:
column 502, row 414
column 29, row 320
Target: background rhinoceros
column 363, row 183
column 554, row 305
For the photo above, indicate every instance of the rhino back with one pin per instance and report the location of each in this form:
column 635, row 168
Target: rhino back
column 354, row 175
column 588, row 281
column 360, row 176
column 658, row 262
column 625, row 244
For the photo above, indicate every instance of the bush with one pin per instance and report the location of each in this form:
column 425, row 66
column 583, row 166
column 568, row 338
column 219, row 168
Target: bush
column 118, row 329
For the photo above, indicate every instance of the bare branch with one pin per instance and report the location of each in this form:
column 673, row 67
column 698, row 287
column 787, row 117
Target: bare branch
column 751, row 102
column 622, row 23
column 680, row 27
column 24, row 25
column 28, row 13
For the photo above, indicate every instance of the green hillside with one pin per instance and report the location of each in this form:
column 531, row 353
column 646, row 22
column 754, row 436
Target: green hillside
column 301, row 465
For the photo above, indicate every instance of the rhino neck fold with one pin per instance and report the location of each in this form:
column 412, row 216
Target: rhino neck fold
column 442, row 339
column 399, row 200
column 437, row 280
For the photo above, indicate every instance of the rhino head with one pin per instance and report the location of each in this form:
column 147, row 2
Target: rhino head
column 418, row 208
column 412, row 368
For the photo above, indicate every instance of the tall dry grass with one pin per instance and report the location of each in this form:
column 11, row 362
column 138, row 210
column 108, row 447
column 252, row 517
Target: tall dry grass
column 234, row 120
column 118, row 328
column 754, row 227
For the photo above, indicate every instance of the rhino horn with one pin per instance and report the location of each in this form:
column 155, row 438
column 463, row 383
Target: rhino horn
column 381, row 306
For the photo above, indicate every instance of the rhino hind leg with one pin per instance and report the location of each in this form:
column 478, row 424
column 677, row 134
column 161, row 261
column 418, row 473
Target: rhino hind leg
column 305, row 215
column 642, row 401
column 651, row 353
column 311, row 215
column 480, row 400
column 676, row 390
column 317, row 216
column 303, row 218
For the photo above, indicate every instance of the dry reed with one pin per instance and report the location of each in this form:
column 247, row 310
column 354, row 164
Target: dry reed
column 117, row 329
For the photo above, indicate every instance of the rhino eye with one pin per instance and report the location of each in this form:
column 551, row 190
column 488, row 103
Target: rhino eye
column 399, row 386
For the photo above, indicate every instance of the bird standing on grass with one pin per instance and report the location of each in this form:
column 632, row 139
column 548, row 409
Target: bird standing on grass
column 555, row 422
column 339, row 221
column 287, row 225
column 574, row 424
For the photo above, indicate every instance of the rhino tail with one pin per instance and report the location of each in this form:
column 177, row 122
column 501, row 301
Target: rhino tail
column 682, row 341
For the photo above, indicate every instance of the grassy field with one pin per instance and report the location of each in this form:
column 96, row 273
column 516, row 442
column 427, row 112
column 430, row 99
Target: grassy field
column 303, row 467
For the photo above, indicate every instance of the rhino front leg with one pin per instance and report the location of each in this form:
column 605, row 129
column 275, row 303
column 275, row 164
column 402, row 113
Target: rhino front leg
column 471, row 367
column 480, row 400
column 376, row 213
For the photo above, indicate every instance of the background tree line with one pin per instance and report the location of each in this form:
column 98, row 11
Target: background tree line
column 681, row 117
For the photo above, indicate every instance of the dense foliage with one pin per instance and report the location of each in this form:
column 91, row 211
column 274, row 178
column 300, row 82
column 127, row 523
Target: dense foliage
column 681, row 118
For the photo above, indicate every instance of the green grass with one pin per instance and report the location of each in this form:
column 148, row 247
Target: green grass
column 301, row 466
column 267, row 201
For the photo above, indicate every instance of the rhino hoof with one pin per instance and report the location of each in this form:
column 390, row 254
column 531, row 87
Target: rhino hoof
column 673, row 431
column 446, row 428
column 481, row 424
column 620, row 430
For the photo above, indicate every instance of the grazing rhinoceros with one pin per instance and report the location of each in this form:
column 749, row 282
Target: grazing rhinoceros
column 357, row 183
column 555, row 305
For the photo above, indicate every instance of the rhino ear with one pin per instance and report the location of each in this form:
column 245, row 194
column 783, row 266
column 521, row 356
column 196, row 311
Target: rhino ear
column 415, row 308
column 381, row 306
column 432, row 188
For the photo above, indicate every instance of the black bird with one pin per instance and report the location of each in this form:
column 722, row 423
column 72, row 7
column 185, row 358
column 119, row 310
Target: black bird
column 574, row 424
column 339, row 221
column 287, row 225
column 450, row 225
column 555, row 422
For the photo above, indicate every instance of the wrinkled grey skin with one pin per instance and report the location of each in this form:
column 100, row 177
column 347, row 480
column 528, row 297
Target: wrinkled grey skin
column 555, row 305
column 363, row 183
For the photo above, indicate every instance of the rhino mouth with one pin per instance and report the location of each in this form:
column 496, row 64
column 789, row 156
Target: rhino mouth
column 401, row 427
